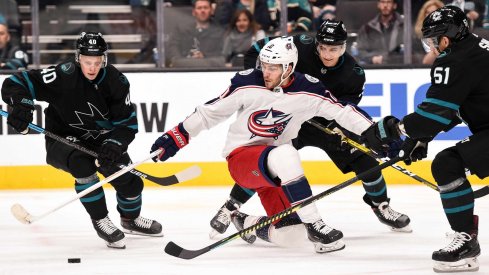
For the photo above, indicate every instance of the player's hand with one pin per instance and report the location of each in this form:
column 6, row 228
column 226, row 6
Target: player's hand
column 170, row 142
column 20, row 117
column 413, row 150
column 110, row 152
column 380, row 134
column 335, row 141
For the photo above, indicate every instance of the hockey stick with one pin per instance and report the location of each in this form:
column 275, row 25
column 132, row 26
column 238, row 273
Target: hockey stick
column 477, row 193
column 21, row 214
column 193, row 171
column 177, row 251
column 372, row 154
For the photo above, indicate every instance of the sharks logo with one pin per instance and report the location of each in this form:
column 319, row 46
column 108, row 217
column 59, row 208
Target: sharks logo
column 268, row 123
column 102, row 126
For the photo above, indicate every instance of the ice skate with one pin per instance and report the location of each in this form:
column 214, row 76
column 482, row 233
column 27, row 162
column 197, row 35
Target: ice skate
column 396, row 221
column 220, row 222
column 106, row 230
column 241, row 221
column 459, row 256
column 324, row 238
column 141, row 226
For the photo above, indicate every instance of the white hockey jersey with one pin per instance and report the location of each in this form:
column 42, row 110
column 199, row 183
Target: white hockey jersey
column 266, row 117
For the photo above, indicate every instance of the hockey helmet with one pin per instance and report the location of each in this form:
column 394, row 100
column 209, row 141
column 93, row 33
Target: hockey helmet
column 449, row 21
column 280, row 50
column 91, row 44
column 332, row 32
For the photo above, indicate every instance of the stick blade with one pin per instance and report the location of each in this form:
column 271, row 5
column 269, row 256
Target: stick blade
column 189, row 173
column 19, row 212
column 175, row 250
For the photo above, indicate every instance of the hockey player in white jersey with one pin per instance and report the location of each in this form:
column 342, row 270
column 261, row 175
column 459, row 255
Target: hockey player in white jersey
column 271, row 106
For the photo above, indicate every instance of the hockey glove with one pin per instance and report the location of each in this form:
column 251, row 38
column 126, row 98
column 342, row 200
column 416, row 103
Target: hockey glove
column 171, row 142
column 413, row 150
column 393, row 148
column 110, row 152
column 335, row 141
column 20, row 117
column 379, row 134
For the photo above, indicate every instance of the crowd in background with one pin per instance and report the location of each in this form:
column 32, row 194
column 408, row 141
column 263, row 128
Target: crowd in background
column 217, row 33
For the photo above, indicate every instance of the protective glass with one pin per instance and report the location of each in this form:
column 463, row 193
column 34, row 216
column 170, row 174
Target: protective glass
column 429, row 43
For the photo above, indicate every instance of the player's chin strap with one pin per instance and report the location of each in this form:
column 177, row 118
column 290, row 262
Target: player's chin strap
column 177, row 251
column 477, row 194
column 191, row 172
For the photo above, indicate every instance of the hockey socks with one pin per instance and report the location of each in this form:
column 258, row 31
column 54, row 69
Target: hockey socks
column 457, row 199
column 129, row 207
column 94, row 202
column 376, row 190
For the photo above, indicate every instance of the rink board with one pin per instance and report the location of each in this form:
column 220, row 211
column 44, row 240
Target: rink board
column 164, row 99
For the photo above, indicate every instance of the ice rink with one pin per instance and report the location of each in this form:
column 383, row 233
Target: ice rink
column 371, row 248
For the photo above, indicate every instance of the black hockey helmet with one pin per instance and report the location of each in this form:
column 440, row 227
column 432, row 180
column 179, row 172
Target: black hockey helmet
column 92, row 44
column 331, row 32
column 449, row 21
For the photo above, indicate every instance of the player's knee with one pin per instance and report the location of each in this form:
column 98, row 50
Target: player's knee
column 80, row 164
column 284, row 161
column 447, row 166
column 130, row 188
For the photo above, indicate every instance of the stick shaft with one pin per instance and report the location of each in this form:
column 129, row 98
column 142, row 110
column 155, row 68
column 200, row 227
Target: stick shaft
column 373, row 154
column 95, row 186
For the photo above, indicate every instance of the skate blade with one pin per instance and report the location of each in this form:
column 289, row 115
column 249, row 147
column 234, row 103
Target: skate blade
column 117, row 245
column 127, row 231
column 464, row 265
column 330, row 247
column 405, row 229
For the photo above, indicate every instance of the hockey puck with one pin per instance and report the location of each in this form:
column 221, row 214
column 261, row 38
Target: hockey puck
column 74, row 260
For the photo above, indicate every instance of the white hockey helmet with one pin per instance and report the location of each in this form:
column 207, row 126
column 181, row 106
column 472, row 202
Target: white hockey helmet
column 280, row 50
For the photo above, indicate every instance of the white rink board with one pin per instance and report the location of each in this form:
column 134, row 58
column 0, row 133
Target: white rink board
column 184, row 91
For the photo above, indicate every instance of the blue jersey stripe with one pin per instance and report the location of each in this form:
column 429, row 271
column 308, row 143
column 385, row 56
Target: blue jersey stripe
column 442, row 103
column 434, row 117
column 30, row 85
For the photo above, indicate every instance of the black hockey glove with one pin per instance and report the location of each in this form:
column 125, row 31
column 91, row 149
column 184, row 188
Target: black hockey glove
column 334, row 142
column 20, row 117
column 393, row 149
column 110, row 152
column 380, row 134
column 171, row 142
column 413, row 150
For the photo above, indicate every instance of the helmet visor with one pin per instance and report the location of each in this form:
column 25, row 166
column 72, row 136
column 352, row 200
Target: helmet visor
column 429, row 43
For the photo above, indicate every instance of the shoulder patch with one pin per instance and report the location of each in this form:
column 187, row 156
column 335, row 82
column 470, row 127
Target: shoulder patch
column 306, row 39
column 123, row 79
column 444, row 53
column 311, row 78
column 68, row 68
column 358, row 70
column 246, row 72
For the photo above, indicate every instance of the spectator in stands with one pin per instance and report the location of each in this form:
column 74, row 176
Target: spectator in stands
column 380, row 41
column 198, row 44
column 420, row 56
column 10, row 15
column 225, row 9
column 11, row 55
column 474, row 10
column 144, row 17
column 242, row 32
column 326, row 12
column 299, row 14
